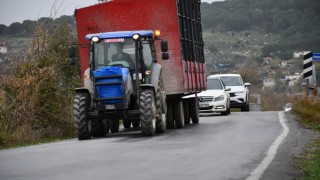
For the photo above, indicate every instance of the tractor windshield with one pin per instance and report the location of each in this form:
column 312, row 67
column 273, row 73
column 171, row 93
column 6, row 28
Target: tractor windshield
column 121, row 51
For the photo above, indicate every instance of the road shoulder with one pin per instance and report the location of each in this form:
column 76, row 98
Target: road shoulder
column 285, row 163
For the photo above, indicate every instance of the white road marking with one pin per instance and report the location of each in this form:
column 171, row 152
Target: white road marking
column 257, row 173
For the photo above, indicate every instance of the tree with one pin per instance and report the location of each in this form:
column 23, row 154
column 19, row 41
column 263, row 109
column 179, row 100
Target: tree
column 28, row 26
column 65, row 19
column 286, row 55
column 45, row 22
column 250, row 72
column 3, row 29
column 15, row 29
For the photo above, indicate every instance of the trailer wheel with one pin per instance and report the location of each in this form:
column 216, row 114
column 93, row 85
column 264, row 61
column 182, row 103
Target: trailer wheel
column 178, row 114
column 147, row 112
column 160, row 121
column 98, row 128
column 194, row 110
column 82, row 123
column 169, row 119
column 114, row 125
column 185, row 103
column 126, row 123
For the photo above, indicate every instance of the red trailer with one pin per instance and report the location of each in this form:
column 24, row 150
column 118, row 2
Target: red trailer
column 180, row 25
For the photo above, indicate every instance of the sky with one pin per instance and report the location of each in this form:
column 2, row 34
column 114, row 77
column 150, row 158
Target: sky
column 19, row 10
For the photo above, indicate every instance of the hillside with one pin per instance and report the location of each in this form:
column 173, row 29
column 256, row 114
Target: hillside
column 235, row 31
column 295, row 21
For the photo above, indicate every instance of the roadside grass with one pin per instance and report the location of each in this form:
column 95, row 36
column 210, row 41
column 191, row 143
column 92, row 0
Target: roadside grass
column 308, row 108
column 310, row 162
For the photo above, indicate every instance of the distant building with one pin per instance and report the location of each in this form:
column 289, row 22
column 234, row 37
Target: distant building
column 269, row 82
column 267, row 60
column 297, row 54
column 284, row 63
column 3, row 48
column 292, row 79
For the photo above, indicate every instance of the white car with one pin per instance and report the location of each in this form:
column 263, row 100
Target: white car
column 288, row 107
column 215, row 99
column 239, row 94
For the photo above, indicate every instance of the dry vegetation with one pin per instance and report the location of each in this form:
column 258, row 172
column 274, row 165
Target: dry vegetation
column 35, row 100
column 308, row 108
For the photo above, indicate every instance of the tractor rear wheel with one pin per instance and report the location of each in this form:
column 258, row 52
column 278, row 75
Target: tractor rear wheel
column 114, row 125
column 136, row 122
column 82, row 123
column 126, row 123
column 98, row 128
column 147, row 112
column 160, row 121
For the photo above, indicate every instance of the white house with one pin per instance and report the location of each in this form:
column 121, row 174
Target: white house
column 269, row 82
column 293, row 79
column 3, row 48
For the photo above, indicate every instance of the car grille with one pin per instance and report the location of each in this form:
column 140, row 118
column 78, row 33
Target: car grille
column 205, row 98
column 232, row 94
column 206, row 108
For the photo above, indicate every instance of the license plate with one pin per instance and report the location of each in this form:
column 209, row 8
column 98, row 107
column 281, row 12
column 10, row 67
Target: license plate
column 110, row 106
column 204, row 105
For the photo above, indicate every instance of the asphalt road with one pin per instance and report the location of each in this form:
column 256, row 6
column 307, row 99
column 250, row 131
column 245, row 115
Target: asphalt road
column 219, row 147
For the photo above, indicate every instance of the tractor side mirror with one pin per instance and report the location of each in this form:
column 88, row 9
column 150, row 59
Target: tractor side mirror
column 164, row 46
column 72, row 55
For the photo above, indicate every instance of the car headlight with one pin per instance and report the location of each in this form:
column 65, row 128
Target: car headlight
column 239, row 93
column 219, row 98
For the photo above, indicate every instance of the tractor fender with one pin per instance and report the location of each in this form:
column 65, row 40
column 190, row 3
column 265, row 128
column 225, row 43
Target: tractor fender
column 156, row 73
column 84, row 90
column 156, row 70
column 148, row 86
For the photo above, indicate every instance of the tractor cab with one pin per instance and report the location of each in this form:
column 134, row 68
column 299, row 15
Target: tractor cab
column 119, row 48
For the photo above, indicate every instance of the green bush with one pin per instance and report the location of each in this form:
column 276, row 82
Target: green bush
column 38, row 97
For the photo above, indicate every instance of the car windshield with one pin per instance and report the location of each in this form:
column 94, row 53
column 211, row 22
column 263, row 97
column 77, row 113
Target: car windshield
column 214, row 84
column 231, row 80
column 288, row 105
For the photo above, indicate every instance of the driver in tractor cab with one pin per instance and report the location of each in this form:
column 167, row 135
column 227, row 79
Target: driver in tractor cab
column 122, row 56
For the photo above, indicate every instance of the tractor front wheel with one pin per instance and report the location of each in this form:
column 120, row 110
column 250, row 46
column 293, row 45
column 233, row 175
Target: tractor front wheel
column 82, row 123
column 147, row 112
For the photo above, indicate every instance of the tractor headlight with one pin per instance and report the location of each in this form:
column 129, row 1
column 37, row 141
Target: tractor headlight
column 136, row 37
column 95, row 39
